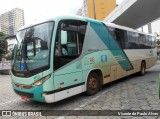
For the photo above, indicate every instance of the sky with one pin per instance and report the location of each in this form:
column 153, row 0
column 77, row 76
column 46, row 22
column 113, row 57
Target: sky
column 39, row 9
column 43, row 9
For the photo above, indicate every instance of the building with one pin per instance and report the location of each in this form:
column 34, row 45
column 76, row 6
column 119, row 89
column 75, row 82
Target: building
column 83, row 11
column 79, row 12
column 157, row 34
column 158, row 48
column 11, row 21
column 0, row 25
column 96, row 9
column 11, row 41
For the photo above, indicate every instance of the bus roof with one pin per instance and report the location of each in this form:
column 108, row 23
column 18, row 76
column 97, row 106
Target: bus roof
column 57, row 18
column 74, row 17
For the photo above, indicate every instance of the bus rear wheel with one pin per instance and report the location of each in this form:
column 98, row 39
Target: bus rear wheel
column 142, row 69
column 92, row 84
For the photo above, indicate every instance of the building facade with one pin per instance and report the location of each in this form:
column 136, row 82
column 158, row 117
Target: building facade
column 79, row 12
column 11, row 21
column 96, row 9
column 11, row 41
column 158, row 47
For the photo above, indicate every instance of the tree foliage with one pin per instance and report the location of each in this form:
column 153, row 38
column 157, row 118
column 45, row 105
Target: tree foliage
column 2, row 36
column 2, row 45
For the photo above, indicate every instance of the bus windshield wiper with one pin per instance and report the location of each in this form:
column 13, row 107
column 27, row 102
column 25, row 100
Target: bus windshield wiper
column 15, row 55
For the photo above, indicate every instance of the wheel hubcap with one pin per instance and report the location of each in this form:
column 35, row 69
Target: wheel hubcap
column 142, row 69
column 92, row 83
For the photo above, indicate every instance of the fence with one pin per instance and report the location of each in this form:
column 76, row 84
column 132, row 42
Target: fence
column 4, row 65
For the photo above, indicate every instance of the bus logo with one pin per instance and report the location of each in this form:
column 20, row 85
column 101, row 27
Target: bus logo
column 22, row 66
column 92, row 60
column 103, row 58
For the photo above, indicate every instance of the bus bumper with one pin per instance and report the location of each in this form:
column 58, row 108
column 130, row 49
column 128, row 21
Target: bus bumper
column 49, row 98
column 35, row 93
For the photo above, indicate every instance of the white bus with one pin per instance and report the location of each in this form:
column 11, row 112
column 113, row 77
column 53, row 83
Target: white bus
column 65, row 56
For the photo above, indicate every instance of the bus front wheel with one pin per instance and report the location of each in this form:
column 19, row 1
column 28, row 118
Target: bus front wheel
column 92, row 84
column 142, row 69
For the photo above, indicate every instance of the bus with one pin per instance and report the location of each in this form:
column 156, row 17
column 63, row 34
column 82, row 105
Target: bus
column 67, row 55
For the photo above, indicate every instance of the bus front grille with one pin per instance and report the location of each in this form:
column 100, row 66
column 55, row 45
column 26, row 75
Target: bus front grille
column 29, row 95
column 23, row 86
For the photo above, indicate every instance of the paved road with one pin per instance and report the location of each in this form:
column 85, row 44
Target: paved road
column 130, row 93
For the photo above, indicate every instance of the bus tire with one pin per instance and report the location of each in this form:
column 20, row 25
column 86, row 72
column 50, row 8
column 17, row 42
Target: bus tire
column 93, row 83
column 142, row 69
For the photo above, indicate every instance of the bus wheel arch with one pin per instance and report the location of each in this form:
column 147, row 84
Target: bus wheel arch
column 94, row 77
column 142, row 68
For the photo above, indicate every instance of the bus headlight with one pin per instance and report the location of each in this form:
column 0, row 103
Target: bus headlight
column 42, row 80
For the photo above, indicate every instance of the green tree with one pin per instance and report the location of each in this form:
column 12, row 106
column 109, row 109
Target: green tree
column 2, row 45
column 2, row 36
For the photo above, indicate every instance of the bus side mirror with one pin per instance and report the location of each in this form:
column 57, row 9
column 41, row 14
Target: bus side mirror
column 63, row 37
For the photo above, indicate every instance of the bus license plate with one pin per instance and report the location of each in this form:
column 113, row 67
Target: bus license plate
column 24, row 98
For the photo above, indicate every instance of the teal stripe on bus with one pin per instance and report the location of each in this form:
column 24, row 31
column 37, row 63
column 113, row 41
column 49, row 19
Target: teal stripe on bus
column 93, row 21
column 112, row 45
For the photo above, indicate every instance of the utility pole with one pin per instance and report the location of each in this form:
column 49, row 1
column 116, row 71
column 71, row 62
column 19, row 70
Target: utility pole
column 142, row 28
column 94, row 9
column 149, row 28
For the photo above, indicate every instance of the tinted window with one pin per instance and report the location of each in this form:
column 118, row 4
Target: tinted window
column 69, row 41
column 132, row 40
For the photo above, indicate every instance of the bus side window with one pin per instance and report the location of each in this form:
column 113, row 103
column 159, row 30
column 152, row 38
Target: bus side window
column 70, row 41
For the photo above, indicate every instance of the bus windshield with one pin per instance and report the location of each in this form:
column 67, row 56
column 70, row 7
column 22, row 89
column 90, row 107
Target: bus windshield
column 33, row 47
